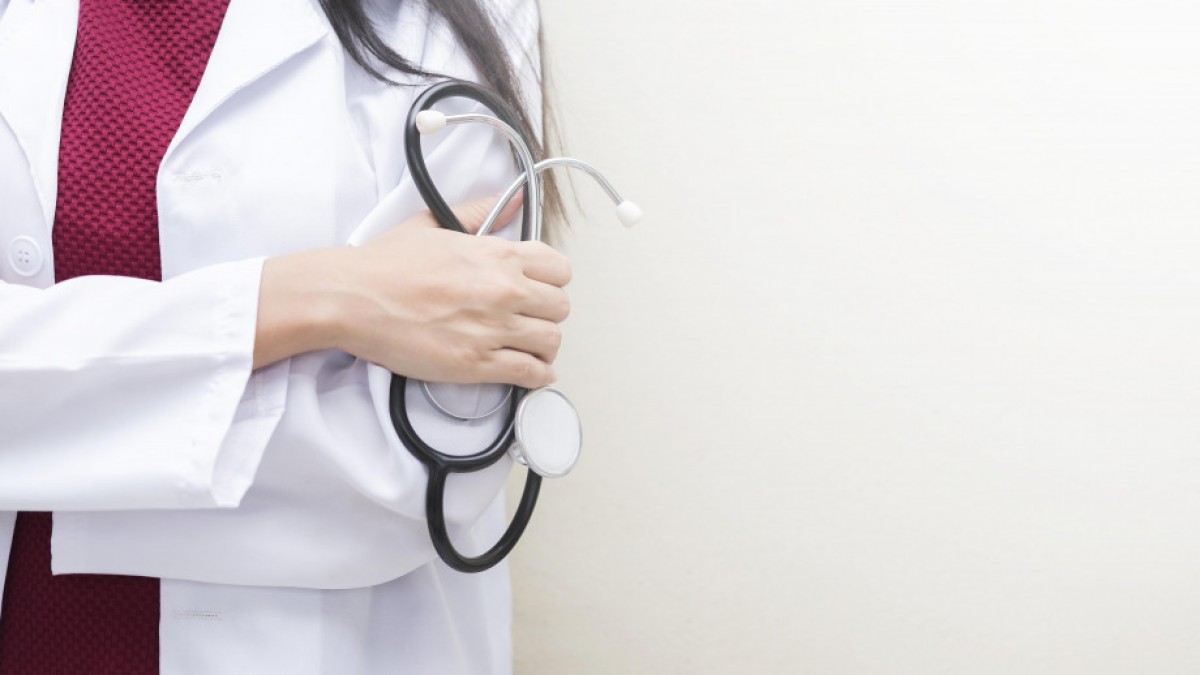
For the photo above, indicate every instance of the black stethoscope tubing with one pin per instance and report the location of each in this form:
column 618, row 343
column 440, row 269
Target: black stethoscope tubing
column 438, row 464
column 416, row 157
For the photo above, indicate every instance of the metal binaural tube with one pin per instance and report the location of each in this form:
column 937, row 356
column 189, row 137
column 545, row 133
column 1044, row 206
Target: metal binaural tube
column 545, row 164
column 528, row 166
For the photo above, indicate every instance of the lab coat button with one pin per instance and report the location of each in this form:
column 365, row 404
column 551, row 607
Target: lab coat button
column 25, row 256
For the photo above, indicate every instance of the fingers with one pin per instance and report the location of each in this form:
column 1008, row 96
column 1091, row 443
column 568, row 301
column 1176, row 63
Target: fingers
column 546, row 302
column 511, row 366
column 539, row 261
column 542, row 263
column 537, row 337
column 472, row 214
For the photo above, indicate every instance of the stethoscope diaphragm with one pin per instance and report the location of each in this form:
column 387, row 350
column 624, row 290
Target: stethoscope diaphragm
column 549, row 435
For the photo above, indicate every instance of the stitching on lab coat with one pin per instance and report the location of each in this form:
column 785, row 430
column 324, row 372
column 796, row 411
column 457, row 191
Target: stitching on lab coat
column 195, row 177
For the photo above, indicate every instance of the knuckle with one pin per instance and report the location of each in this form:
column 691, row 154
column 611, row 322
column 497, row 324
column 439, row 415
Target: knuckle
column 519, row 292
column 525, row 372
column 500, row 292
column 466, row 356
column 493, row 323
column 502, row 250
column 509, row 293
column 564, row 308
column 552, row 339
column 567, row 271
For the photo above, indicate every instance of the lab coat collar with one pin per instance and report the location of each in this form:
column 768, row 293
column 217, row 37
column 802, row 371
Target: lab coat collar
column 256, row 37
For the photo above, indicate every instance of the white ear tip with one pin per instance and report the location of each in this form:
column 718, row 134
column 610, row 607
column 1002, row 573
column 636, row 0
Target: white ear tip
column 628, row 213
column 430, row 121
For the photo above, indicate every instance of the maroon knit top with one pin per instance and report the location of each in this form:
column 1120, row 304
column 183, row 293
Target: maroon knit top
column 136, row 67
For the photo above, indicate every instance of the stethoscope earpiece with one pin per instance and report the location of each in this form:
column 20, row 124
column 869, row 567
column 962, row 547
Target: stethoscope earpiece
column 430, row 121
column 629, row 213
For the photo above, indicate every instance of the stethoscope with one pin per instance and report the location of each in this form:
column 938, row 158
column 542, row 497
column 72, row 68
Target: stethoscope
column 541, row 428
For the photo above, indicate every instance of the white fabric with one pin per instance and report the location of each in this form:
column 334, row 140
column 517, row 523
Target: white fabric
column 284, row 517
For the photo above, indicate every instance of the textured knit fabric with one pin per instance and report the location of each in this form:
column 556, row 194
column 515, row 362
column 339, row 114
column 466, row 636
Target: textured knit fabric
column 136, row 66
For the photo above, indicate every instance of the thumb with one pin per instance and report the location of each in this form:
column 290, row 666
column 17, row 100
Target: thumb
column 472, row 214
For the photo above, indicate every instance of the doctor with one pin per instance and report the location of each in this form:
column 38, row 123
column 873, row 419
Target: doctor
column 227, row 494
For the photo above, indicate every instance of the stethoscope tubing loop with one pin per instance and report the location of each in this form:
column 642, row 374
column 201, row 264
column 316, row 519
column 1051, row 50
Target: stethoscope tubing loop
column 440, row 466
column 415, row 157
column 435, row 517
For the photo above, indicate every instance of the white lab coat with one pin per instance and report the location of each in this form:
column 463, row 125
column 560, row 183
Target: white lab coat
column 283, row 516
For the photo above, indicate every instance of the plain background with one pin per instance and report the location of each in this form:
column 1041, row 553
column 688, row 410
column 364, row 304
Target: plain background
column 900, row 372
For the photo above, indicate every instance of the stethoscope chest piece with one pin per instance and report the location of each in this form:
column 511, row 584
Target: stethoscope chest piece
column 549, row 433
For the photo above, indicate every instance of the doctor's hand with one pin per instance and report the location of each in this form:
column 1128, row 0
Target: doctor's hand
column 423, row 302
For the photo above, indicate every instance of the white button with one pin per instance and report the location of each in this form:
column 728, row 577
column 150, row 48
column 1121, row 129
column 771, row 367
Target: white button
column 25, row 256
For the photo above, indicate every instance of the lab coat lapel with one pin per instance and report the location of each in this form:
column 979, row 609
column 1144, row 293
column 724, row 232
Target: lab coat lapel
column 256, row 37
column 37, row 40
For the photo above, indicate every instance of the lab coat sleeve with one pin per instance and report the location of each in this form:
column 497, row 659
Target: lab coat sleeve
column 119, row 393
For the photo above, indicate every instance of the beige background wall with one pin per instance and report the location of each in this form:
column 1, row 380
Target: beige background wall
column 901, row 373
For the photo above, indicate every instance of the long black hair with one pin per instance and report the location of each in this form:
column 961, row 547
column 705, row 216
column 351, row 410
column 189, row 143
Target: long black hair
column 477, row 32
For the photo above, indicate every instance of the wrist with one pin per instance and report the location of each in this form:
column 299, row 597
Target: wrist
column 298, row 311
